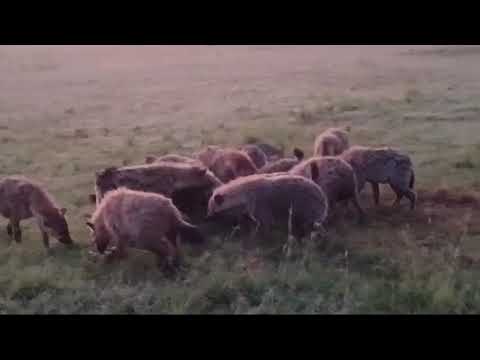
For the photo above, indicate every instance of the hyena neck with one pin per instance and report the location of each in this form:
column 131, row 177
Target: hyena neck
column 42, row 205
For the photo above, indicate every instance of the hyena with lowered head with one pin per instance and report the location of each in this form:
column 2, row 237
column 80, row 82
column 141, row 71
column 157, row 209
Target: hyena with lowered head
column 21, row 198
column 256, row 154
column 272, row 198
column 283, row 165
column 383, row 165
column 331, row 142
column 336, row 178
column 227, row 164
column 136, row 219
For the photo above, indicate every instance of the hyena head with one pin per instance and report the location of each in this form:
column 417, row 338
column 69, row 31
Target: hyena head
column 207, row 155
column 56, row 226
column 234, row 202
column 150, row 159
column 104, row 181
column 99, row 239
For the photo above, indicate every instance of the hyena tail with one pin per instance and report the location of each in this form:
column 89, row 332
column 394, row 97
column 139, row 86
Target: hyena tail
column 190, row 233
column 412, row 180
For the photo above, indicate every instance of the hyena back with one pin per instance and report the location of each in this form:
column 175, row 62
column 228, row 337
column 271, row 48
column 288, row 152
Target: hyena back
column 150, row 159
column 283, row 165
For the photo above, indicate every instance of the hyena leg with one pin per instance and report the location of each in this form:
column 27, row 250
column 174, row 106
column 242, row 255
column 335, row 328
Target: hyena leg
column 361, row 212
column 45, row 237
column 46, row 240
column 300, row 231
column 17, row 232
column 399, row 196
column 172, row 239
column 254, row 232
column 9, row 229
column 376, row 192
column 401, row 182
column 254, row 227
column 166, row 255
column 332, row 208
column 412, row 196
column 401, row 192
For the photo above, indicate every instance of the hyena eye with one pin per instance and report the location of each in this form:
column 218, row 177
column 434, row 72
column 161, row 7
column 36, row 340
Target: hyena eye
column 219, row 199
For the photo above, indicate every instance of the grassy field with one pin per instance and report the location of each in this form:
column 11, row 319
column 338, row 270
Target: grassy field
column 67, row 111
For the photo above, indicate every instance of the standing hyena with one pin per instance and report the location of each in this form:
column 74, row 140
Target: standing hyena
column 21, row 198
column 336, row 177
column 331, row 142
column 266, row 199
column 146, row 221
column 383, row 166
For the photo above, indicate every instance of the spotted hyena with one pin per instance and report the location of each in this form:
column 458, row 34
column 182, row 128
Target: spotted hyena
column 336, row 177
column 383, row 165
column 136, row 219
column 21, row 199
column 266, row 199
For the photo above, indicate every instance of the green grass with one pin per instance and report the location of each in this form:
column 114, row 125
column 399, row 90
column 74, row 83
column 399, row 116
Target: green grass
column 397, row 263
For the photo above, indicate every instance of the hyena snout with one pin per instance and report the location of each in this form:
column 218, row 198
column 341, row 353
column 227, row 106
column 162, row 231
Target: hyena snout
column 101, row 247
column 66, row 239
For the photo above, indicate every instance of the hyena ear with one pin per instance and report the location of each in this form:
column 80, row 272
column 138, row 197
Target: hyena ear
column 90, row 226
column 149, row 159
column 314, row 171
column 105, row 172
column 299, row 154
column 92, row 198
column 219, row 199
column 63, row 211
column 109, row 170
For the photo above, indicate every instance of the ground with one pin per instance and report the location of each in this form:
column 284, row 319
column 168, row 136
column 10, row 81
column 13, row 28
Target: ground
column 67, row 111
